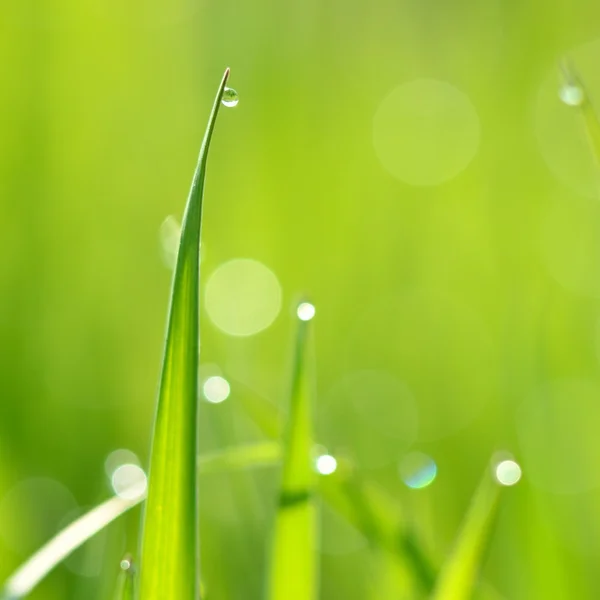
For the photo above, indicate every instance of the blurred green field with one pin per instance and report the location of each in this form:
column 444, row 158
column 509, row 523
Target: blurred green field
column 409, row 166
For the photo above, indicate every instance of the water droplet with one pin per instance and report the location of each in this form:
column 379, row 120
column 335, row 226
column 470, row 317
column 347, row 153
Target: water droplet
column 230, row 97
column 326, row 464
column 126, row 564
column 508, row 472
column 571, row 95
column 418, row 470
column 306, row 311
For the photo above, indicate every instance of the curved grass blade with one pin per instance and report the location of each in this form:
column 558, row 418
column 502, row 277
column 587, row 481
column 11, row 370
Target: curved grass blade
column 26, row 577
column 294, row 546
column 458, row 577
column 127, row 580
column 169, row 559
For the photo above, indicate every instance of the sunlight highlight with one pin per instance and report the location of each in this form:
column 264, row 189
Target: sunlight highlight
column 216, row 389
column 508, row 472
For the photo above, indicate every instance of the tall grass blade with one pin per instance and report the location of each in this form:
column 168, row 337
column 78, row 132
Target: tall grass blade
column 28, row 575
column 294, row 546
column 458, row 577
column 169, row 560
column 126, row 581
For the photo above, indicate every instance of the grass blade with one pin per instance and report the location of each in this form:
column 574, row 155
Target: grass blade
column 293, row 553
column 380, row 519
column 367, row 507
column 26, row 577
column 458, row 577
column 170, row 550
column 126, row 582
column 574, row 93
column 264, row 454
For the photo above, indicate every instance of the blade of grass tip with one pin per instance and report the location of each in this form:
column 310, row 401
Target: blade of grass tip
column 127, row 580
column 574, row 93
column 293, row 552
column 169, row 559
column 28, row 575
column 264, row 454
column 458, row 577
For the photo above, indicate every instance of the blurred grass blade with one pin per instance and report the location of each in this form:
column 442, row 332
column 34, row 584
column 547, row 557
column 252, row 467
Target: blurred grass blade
column 458, row 577
column 367, row 507
column 169, row 560
column 292, row 573
column 575, row 93
column 63, row 544
column 127, row 580
column 265, row 454
column 380, row 519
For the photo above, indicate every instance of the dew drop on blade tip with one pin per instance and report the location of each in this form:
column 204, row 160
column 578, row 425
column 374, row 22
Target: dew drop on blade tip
column 230, row 97
column 571, row 95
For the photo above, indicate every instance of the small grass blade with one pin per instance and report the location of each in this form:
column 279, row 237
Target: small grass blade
column 366, row 506
column 293, row 552
column 380, row 519
column 62, row 545
column 575, row 93
column 169, row 559
column 264, row 454
column 127, row 580
column 458, row 577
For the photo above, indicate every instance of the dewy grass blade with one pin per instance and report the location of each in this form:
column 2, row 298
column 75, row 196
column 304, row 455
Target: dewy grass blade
column 458, row 577
column 574, row 93
column 292, row 573
column 127, row 579
column 64, row 543
column 169, row 560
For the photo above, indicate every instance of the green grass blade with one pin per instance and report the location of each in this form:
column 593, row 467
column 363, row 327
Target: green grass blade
column 380, row 518
column 28, row 575
column 367, row 507
column 264, row 454
column 458, row 577
column 169, row 560
column 293, row 553
column 586, row 109
column 127, row 580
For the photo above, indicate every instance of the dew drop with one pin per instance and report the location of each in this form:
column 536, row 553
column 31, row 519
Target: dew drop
column 326, row 464
column 571, row 95
column 230, row 97
column 306, row 311
column 508, row 472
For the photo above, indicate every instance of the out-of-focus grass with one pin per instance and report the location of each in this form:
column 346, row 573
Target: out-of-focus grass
column 100, row 112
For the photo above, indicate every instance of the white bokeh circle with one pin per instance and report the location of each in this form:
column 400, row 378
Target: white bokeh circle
column 243, row 297
column 426, row 132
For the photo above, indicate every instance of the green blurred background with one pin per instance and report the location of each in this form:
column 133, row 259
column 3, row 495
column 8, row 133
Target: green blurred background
column 406, row 164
